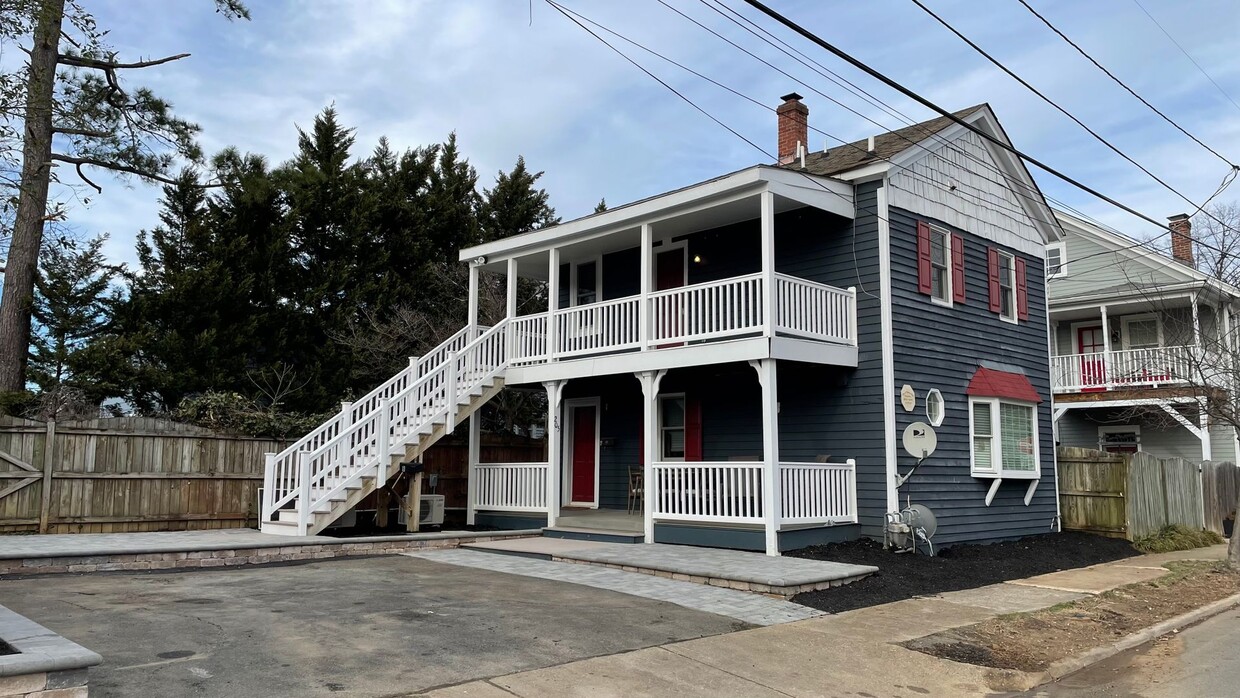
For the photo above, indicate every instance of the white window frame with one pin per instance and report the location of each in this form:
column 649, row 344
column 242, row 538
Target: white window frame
column 947, row 269
column 995, row 468
column 1127, row 320
column 936, row 394
column 1062, row 248
column 598, row 281
column 663, row 429
column 1011, row 267
column 1104, row 432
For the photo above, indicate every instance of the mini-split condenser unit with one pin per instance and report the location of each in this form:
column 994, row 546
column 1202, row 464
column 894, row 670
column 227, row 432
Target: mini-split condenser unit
column 431, row 513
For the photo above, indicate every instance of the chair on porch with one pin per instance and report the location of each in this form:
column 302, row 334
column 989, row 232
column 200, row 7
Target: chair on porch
column 636, row 489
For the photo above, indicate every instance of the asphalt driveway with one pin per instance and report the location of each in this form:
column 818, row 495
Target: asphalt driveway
column 377, row 626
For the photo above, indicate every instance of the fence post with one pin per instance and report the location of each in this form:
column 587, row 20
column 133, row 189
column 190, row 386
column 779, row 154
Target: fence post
column 45, row 499
column 852, row 489
column 303, row 497
column 383, row 435
column 269, row 487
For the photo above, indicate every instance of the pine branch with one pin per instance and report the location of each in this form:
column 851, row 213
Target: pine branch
column 120, row 167
column 80, row 62
column 85, row 132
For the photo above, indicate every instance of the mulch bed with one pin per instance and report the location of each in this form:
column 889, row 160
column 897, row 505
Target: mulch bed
column 904, row 575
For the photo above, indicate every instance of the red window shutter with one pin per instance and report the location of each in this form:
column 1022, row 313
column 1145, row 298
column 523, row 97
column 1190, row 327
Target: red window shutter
column 1022, row 293
column 996, row 303
column 693, row 429
column 957, row 269
column 923, row 257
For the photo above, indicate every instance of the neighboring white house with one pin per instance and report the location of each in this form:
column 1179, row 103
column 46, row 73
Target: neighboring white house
column 1138, row 344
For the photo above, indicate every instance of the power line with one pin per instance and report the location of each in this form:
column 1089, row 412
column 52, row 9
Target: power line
column 1121, row 83
column 1061, row 110
column 1187, row 55
column 943, row 112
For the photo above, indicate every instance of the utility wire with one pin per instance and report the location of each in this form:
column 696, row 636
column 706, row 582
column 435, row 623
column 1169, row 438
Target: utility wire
column 819, row 41
column 1065, row 112
column 1187, row 54
column 1121, row 83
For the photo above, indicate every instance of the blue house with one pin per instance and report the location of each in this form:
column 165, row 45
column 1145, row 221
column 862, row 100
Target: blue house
column 734, row 363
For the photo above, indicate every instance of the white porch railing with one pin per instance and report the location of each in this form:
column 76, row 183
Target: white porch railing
column 1126, row 368
column 818, row 493
column 718, row 492
column 511, row 487
column 712, row 310
column 816, row 311
column 590, row 329
column 527, row 338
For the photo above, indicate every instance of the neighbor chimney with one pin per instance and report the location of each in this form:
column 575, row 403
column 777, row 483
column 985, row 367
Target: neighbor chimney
column 793, row 127
column 1182, row 239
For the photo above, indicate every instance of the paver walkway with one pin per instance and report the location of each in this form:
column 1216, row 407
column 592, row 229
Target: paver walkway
column 743, row 606
column 853, row 653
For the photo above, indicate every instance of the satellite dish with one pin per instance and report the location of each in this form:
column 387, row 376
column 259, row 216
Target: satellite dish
column 920, row 439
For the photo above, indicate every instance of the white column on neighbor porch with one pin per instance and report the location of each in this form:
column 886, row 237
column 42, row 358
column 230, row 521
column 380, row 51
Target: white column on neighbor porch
column 555, row 442
column 768, row 262
column 553, row 299
column 1106, row 345
column 647, row 273
column 650, row 381
column 1196, row 325
column 472, row 320
column 475, row 456
column 771, row 498
column 1203, row 421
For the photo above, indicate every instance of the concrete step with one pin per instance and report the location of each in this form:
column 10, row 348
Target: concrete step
column 593, row 534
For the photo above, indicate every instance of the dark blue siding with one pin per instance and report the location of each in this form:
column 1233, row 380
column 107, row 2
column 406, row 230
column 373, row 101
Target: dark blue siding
column 620, row 428
column 940, row 347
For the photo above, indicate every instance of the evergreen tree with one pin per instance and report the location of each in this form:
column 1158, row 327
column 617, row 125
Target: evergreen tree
column 514, row 206
column 73, row 306
column 601, row 206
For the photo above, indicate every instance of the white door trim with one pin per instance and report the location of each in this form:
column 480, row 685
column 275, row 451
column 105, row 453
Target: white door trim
column 570, row 423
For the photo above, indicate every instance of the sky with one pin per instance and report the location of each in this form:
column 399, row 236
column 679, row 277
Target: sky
column 514, row 77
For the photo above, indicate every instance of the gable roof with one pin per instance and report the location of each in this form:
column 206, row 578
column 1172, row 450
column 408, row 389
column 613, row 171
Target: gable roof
column 850, row 156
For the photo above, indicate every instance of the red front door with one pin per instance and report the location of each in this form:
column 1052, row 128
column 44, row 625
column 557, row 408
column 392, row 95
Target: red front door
column 669, row 272
column 1090, row 343
column 584, row 442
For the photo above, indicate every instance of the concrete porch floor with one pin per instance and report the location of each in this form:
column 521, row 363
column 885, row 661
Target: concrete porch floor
column 736, row 569
column 601, row 520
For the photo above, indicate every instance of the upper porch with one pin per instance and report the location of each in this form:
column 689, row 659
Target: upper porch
column 735, row 269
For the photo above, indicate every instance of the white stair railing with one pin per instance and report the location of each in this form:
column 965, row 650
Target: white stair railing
column 360, row 440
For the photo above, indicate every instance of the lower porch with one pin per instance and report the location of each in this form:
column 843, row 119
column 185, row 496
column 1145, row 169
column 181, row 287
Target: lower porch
column 688, row 456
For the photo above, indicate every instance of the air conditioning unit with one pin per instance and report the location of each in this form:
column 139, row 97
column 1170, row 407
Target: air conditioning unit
column 431, row 513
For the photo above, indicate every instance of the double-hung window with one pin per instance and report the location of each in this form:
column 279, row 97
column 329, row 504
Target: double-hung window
column 672, row 428
column 1007, row 286
column 1003, row 438
column 1056, row 263
column 940, row 266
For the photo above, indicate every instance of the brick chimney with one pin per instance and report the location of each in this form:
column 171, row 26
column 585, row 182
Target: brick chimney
column 793, row 127
column 1182, row 239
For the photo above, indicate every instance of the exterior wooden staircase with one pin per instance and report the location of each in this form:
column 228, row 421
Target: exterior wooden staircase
column 329, row 471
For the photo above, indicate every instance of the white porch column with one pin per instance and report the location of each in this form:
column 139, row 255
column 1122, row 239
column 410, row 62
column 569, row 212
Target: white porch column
column 553, row 300
column 555, row 442
column 1196, row 325
column 767, row 377
column 647, row 273
column 475, row 456
column 512, row 289
column 1203, row 420
column 768, row 263
column 472, row 320
column 1106, row 346
column 650, row 381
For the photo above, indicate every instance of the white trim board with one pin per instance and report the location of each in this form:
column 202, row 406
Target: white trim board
column 570, row 405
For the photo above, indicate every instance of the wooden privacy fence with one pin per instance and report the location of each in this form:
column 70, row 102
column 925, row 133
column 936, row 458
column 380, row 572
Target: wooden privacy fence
column 1136, row 494
column 129, row 474
column 126, row 474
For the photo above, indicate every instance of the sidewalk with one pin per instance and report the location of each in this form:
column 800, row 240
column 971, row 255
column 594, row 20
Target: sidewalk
column 853, row 652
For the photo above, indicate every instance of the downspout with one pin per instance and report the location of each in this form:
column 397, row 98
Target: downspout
column 1052, row 346
column 888, row 349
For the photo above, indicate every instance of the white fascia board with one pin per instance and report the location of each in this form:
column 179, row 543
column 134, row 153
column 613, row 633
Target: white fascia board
column 877, row 170
column 621, row 218
column 1162, row 293
column 825, row 193
column 1135, row 402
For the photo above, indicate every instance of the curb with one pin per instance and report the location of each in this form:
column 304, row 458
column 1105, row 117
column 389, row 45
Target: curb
column 1064, row 667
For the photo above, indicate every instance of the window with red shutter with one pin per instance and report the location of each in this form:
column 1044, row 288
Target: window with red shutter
column 1022, row 293
column 957, row 269
column 992, row 257
column 923, row 257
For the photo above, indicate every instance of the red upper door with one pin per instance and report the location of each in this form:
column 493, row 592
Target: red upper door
column 669, row 272
column 1091, row 343
column 584, row 442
